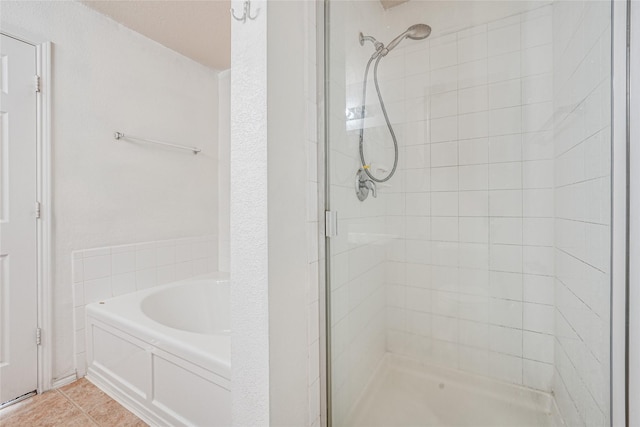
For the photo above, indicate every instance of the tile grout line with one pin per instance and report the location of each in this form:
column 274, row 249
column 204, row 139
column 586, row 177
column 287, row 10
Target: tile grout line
column 73, row 402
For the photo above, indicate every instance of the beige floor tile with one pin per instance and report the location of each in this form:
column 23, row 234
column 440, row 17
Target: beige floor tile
column 78, row 404
column 26, row 405
column 113, row 414
column 84, row 394
column 55, row 411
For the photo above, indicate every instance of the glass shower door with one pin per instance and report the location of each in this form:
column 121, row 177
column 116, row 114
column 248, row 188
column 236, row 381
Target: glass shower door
column 471, row 287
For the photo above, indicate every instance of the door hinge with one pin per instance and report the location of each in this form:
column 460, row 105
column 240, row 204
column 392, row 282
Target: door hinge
column 37, row 79
column 38, row 336
column 38, row 210
column 330, row 223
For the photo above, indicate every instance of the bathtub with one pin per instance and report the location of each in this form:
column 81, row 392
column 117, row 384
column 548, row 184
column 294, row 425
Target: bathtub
column 164, row 352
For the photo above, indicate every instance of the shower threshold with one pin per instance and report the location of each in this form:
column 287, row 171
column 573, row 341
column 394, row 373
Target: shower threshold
column 404, row 392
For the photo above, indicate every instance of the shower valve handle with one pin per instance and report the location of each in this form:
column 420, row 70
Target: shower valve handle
column 364, row 185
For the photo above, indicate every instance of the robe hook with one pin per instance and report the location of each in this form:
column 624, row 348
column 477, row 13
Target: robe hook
column 246, row 13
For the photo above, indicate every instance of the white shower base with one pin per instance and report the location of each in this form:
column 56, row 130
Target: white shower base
column 405, row 393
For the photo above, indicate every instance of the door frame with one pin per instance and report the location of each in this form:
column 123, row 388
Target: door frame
column 44, row 231
column 44, row 196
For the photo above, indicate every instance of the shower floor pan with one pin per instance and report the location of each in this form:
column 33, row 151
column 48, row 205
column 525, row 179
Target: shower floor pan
column 405, row 393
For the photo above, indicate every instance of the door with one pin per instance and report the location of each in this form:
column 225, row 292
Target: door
column 485, row 257
column 18, row 245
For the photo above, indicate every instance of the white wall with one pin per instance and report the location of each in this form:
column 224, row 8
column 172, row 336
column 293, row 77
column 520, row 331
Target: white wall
column 582, row 144
column 287, row 192
column 224, row 120
column 108, row 78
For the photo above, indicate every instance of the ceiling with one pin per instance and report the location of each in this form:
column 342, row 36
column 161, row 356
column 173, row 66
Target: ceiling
column 200, row 29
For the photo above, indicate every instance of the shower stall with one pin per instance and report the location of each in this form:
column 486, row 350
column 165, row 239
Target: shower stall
column 468, row 158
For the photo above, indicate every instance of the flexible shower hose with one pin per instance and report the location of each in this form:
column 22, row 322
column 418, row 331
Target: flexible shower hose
column 386, row 118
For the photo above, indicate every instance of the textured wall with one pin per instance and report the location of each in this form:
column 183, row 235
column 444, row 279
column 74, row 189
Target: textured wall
column 224, row 120
column 108, row 78
column 274, row 220
column 249, row 222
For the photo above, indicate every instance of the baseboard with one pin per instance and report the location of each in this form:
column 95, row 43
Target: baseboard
column 61, row 382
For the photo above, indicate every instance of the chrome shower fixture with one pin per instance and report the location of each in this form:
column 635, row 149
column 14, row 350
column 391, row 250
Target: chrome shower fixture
column 414, row 32
column 365, row 181
column 364, row 185
column 376, row 44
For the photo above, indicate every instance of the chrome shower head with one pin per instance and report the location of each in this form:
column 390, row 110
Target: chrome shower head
column 414, row 32
column 418, row 31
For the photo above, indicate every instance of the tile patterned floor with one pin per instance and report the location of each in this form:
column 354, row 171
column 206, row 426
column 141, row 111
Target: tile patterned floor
column 78, row 404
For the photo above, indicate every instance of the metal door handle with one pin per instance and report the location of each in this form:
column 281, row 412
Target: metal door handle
column 3, row 255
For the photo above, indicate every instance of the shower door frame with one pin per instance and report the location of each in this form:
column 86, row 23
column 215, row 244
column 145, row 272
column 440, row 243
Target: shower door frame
column 624, row 327
column 633, row 288
column 619, row 215
column 324, row 309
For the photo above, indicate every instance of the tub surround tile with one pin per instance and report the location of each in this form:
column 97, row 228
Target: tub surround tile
column 97, row 267
column 123, row 283
column 123, row 262
column 102, row 273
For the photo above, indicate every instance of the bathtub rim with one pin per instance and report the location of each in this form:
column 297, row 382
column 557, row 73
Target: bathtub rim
column 208, row 351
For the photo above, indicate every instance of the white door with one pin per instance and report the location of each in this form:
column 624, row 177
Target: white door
column 18, row 246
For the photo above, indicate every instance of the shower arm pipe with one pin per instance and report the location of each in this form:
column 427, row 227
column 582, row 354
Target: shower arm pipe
column 120, row 135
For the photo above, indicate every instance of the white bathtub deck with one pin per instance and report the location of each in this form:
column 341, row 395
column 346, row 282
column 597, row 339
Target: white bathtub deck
column 407, row 394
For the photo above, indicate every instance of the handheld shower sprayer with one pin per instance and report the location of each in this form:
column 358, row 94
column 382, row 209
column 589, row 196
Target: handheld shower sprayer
column 414, row 32
column 365, row 180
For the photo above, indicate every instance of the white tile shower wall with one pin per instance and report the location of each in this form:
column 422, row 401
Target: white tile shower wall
column 581, row 75
column 469, row 278
column 117, row 270
column 358, row 252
